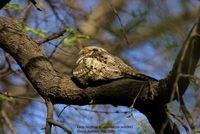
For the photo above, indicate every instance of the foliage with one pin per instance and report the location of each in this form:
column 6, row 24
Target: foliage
column 160, row 25
column 13, row 6
column 70, row 30
column 5, row 97
column 37, row 32
column 74, row 38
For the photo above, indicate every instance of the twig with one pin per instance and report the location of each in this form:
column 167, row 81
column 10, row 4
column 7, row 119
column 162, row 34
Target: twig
column 49, row 117
column 176, row 86
column 188, row 117
column 95, row 111
column 120, row 21
column 193, row 77
column 25, row 13
column 58, row 124
column 184, row 109
column 8, row 122
column 55, row 13
column 50, row 121
column 56, row 46
column 36, row 5
column 186, row 113
column 178, row 119
column 21, row 97
column 178, row 71
column 185, row 63
column 52, row 36
column 62, row 110
column 134, row 100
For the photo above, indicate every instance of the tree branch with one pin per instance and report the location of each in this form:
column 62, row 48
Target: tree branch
column 36, row 5
column 185, row 64
column 60, row 89
column 49, row 106
column 3, row 3
column 55, row 123
column 50, row 121
column 8, row 122
column 57, row 87
column 52, row 36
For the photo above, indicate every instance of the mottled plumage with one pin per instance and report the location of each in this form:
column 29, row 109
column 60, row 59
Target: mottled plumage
column 97, row 64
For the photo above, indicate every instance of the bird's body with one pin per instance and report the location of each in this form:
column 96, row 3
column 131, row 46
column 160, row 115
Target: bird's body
column 97, row 64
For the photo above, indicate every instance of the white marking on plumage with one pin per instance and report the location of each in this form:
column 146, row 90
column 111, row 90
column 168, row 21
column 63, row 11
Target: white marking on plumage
column 95, row 64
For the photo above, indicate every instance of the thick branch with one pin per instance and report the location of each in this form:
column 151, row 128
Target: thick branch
column 185, row 63
column 32, row 60
column 60, row 89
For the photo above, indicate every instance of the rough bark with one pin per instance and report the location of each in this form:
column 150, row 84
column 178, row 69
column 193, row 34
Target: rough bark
column 60, row 89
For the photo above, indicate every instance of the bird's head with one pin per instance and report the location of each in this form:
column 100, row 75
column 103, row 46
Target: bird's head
column 89, row 51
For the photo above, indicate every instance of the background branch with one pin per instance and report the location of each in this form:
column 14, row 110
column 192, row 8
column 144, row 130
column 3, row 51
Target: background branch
column 60, row 89
column 3, row 3
column 52, row 36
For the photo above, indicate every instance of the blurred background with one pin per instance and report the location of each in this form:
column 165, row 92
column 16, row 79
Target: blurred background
column 145, row 34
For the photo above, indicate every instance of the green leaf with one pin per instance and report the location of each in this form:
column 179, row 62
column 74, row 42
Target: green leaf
column 37, row 32
column 13, row 6
column 28, row 29
column 73, row 38
column 4, row 97
column 82, row 37
column 70, row 30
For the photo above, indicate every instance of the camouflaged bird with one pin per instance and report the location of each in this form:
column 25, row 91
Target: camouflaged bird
column 96, row 64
